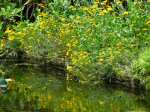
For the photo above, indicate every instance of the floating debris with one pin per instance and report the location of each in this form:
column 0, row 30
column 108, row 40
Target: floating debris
column 4, row 84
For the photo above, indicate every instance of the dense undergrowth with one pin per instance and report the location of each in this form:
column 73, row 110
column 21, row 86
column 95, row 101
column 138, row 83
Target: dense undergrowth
column 93, row 42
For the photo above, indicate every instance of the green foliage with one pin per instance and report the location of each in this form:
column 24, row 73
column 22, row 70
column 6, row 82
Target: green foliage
column 143, row 63
column 141, row 67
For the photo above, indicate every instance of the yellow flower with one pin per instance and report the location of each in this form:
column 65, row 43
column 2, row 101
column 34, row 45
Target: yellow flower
column 83, row 54
column 101, row 13
column 109, row 8
column 11, row 37
column 85, row 8
column 43, row 24
column 105, row 11
column 125, row 13
column 42, row 14
column 8, row 31
column 63, row 19
column 148, row 22
column 78, row 17
column 10, row 34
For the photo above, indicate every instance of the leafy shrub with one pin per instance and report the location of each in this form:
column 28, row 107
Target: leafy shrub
column 141, row 67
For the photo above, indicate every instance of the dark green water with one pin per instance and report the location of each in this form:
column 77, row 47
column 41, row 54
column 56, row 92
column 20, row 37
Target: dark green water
column 35, row 91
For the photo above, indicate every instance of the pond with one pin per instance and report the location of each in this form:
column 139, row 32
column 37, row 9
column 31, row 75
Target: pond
column 37, row 91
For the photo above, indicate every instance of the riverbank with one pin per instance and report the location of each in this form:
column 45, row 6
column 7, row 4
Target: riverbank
column 59, row 69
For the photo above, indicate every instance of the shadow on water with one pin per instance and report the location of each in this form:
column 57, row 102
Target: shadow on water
column 142, row 97
column 49, row 92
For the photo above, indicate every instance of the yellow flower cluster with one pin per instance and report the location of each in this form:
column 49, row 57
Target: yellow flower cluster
column 10, row 34
column 103, row 12
column 42, row 25
column 70, row 47
column 106, row 8
column 43, row 102
column 125, row 13
column 80, row 58
column 42, row 14
column 101, row 58
column 65, row 30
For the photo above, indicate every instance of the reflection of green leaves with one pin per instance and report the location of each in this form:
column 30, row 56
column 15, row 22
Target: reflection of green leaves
column 1, row 35
column 15, row 44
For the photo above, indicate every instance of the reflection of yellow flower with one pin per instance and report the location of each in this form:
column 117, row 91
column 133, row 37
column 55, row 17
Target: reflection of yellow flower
column 101, row 103
column 69, row 68
column 68, row 104
column 49, row 97
column 101, row 60
column 43, row 102
column 3, row 43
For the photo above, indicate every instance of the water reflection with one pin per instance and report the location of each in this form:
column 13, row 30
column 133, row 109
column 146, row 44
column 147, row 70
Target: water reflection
column 35, row 91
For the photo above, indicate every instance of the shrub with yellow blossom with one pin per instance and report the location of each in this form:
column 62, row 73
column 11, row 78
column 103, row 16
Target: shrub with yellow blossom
column 88, row 39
